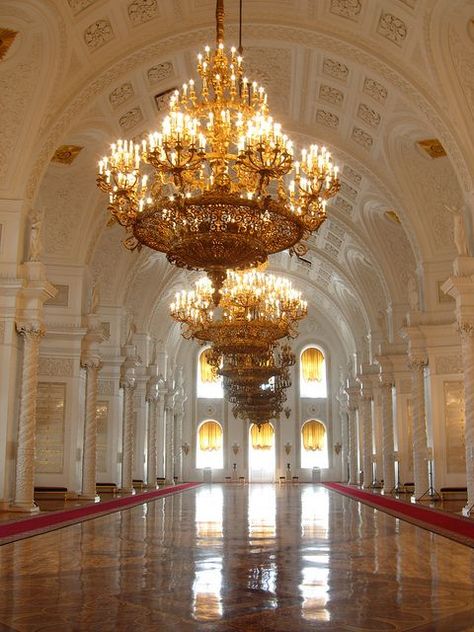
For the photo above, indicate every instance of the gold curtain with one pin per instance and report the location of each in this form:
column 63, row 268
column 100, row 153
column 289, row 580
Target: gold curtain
column 210, row 437
column 313, row 435
column 312, row 364
column 262, row 438
column 208, row 372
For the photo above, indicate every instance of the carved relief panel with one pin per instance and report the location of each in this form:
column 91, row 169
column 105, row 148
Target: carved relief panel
column 50, row 408
column 454, row 427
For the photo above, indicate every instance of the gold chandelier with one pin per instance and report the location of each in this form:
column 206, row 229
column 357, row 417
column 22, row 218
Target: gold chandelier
column 217, row 187
column 255, row 310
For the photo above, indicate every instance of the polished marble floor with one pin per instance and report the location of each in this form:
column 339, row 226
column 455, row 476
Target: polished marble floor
column 239, row 558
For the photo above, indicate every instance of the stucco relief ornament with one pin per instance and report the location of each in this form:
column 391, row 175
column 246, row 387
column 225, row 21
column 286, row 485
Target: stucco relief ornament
column 466, row 329
column 460, row 239
column 413, row 294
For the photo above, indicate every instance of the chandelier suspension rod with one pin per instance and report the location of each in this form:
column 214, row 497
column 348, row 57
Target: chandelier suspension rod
column 241, row 48
column 220, row 21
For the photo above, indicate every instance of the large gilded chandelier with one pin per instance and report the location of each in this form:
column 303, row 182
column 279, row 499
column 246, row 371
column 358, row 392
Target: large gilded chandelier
column 218, row 186
column 255, row 310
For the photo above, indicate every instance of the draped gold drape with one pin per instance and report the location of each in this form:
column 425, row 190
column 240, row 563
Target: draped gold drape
column 208, row 372
column 262, row 438
column 314, row 434
column 312, row 365
column 210, row 436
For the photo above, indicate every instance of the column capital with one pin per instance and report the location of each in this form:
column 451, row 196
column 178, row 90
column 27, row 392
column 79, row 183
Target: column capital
column 128, row 382
column 91, row 362
column 417, row 362
column 30, row 329
column 466, row 328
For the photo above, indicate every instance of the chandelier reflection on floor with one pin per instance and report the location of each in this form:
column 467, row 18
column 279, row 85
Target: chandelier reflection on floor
column 218, row 186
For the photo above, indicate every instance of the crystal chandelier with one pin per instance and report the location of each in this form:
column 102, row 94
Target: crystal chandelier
column 218, row 186
column 255, row 310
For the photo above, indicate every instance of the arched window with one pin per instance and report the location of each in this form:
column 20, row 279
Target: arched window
column 314, row 444
column 312, row 373
column 210, row 451
column 209, row 384
column 262, row 436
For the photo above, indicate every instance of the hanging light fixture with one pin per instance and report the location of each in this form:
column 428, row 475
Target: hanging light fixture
column 255, row 310
column 218, row 186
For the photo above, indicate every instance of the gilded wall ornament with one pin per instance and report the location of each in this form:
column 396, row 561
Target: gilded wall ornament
column 66, row 154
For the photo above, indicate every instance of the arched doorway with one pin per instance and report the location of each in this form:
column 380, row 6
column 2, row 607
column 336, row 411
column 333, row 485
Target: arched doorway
column 262, row 453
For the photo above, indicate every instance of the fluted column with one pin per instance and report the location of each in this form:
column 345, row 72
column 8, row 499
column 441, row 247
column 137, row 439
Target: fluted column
column 169, row 437
column 89, row 458
column 466, row 329
column 420, row 442
column 365, row 411
column 387, row 436
column 179, row 418
column 151, row 460
column 353, row 464
column 128, row 385
column 25, row 458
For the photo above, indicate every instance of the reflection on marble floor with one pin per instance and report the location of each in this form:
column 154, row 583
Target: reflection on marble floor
column 227, row 558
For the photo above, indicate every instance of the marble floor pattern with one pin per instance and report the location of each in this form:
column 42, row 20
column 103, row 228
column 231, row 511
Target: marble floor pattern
column 242, row 558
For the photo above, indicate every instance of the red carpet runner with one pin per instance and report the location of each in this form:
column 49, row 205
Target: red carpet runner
column 27, row 527
column 452, row 526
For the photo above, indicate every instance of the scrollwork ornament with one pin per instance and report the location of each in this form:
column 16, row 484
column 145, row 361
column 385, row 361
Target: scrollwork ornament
column 417, row 363
column 92, row 362
column 30, row 330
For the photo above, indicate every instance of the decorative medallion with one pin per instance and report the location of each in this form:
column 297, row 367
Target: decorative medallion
column 98, row 34
column 162, row 99
column 7, row 37
column 327, row 118
column 131, row 118
column 346, row 8
column 160, row 71
column 392, row 28
column 66, row 154
column 368, row 115
column 375, row 90
column 362, row 138
column 331, row 95
column 121, row 94
column 141, row 11
column 350, row 174
column 335, row 69
column 432, row 147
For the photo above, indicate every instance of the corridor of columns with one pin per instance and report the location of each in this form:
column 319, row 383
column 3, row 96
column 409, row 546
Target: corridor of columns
column 258, row 557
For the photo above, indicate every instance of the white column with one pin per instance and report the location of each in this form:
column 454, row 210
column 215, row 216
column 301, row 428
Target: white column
column 151, row 460
column 353, row 392
column 420, row 442
column 467, row 337
column 89, row 457
column 128, row 385
column 90, row 361
column 387, row 435
column 25, row 458
column 179, row 417
column 169, row 434
column 365, row 411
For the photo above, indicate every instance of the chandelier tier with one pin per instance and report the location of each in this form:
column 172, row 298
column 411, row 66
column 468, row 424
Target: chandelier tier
column 255, row 310
column 247, row 373
column 218, row 186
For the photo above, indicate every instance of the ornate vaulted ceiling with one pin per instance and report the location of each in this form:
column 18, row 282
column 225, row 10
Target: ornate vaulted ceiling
column 368, row 78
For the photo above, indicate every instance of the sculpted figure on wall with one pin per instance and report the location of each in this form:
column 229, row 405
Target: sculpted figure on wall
column 35, row 245
column 460, row 239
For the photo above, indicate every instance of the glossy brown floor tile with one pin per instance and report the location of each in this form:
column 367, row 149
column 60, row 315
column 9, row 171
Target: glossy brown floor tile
column 239, row 558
